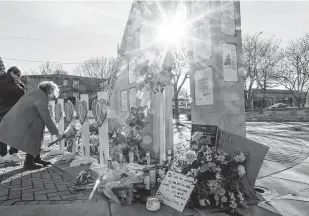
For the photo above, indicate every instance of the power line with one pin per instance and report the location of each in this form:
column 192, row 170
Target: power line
column 20, row 38
column 52, row 62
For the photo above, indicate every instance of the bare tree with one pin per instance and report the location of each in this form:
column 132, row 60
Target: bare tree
column 180, row 75
column 99, row 67
column 294, row 71
column 47, row 69
column 261, row 59
column 2, row 70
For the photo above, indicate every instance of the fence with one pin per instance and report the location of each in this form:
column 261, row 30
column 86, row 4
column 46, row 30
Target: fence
column 278, row 115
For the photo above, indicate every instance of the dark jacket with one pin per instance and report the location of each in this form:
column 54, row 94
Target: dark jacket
column 10, row 93
column 23, row 126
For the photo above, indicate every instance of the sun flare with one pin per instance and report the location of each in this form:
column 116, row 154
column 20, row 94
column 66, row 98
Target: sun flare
column 174, row 30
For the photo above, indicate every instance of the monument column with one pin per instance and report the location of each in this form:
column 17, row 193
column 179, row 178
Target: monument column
column 216, row 79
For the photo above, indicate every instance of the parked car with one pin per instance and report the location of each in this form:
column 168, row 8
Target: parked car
column 279, row 105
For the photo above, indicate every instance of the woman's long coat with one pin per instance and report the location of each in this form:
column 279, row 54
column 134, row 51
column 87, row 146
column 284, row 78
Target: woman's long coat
column 23, row 126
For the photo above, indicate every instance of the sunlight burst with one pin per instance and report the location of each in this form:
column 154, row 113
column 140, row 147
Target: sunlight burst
column 174, row 30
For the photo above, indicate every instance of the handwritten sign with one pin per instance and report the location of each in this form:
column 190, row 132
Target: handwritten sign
column 228, row 17
column 175, row 190
column 232, row 143
column 203, row 81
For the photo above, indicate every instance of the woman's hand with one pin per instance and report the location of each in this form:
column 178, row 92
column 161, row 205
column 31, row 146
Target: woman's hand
column 58, row 136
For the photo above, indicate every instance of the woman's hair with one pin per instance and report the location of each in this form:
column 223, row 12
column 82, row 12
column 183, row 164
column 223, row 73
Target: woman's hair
column 49, row 87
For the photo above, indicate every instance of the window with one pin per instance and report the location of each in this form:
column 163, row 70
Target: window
column 102, row 85
column 65, row 82
column 76, row 84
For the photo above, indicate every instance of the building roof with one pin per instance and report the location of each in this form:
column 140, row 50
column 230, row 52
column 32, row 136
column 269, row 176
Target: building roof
column 63, row 76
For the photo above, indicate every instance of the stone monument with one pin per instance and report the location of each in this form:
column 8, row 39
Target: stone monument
column 217, row 83
column 216, row 77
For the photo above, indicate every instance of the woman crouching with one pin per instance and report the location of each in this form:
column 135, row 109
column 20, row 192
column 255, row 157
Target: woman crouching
column 23, row 126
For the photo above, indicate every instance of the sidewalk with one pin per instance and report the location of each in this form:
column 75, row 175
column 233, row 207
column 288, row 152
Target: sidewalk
column 49, row 191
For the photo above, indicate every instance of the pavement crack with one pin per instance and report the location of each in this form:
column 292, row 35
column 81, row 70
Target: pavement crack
column 289, row 180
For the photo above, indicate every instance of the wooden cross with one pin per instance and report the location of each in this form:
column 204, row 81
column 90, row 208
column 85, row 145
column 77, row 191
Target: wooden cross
column 82, row 109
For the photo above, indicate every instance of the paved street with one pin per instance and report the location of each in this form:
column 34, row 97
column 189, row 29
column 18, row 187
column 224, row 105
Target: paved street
column 287, row 146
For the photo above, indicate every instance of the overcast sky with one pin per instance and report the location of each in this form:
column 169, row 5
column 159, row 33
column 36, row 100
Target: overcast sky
column 72, row 32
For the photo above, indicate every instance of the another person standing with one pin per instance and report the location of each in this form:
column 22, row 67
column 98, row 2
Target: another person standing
column 23, row 126
column 11, row 90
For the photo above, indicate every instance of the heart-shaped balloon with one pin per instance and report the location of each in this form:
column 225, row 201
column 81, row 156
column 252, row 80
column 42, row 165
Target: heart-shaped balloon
column 101, row 110
column 82, row 111
column 68, row 110
column 93, row 109
column 58, row 112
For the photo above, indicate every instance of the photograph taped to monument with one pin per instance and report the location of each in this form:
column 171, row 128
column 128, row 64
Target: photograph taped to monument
column 203, row 135
column 230, row 62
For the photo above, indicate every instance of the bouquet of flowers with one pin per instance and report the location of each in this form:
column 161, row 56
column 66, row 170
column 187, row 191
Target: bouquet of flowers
column 219, row 177
column 127, row 137
column 117, row 185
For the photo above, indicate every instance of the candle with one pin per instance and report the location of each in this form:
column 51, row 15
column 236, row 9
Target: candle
column 153, row 177
column 147, row 182
column 131, row 156
column 120, row 157
column 109, row 164
column 148, row 157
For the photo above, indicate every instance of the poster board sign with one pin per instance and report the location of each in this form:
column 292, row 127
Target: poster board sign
column 207, row 134
column 203, row 83
column 175, row 190
column 132, row 74
column 201, row 31
column 202, row 44
column 232, row 143
column 228, row 17
column 124, row 101
column 132, row 96
column 229, row 62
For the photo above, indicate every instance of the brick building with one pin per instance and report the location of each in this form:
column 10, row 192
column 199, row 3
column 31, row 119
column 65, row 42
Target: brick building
column 71, row 86
column 272, row 96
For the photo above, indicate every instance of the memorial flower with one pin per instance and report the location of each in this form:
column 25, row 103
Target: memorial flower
column 240, row 157
column 208, row 158
column 241, row 170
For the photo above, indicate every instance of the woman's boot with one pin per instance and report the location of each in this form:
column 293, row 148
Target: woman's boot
column 29, row 163
column 38, row 160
